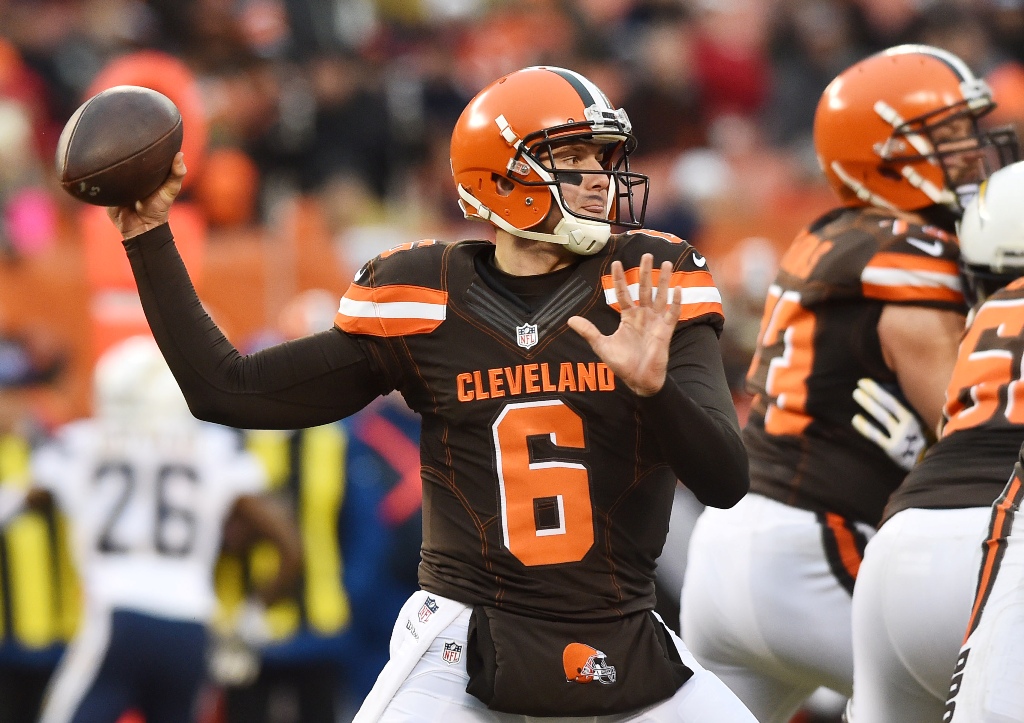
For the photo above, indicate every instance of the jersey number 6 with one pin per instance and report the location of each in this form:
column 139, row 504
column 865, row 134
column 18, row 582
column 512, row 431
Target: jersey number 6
column 546, row 515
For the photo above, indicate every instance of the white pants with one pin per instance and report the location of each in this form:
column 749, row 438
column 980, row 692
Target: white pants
column 418, row 684
column 988, row 683
column 762, row 609
column 910, row 608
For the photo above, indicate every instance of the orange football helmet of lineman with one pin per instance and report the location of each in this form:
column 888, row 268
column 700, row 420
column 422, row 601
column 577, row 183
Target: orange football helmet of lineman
column 584, row 664
column 508, row 130
column 874, row 126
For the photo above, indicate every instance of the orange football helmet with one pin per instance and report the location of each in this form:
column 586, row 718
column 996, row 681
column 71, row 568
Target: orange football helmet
column 875, row 131
column 584, row 664
column 508, row 130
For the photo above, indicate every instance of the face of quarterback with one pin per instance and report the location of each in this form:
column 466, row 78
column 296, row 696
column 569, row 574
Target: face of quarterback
column 582, row 193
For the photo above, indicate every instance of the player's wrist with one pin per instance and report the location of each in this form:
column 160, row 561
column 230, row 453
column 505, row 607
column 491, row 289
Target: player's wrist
column 133, row 231
column 648, row 390
column 149, row 235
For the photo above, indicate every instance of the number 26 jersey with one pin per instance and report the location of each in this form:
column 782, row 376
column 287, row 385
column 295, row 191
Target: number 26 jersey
column 147, row 515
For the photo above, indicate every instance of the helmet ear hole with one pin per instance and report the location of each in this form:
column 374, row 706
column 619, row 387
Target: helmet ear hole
column 503, row 184
column 888, row 172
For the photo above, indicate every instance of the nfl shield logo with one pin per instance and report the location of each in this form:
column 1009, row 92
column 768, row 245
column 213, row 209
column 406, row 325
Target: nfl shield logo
column 526, row 335
column 428, row 608
column 452, row 652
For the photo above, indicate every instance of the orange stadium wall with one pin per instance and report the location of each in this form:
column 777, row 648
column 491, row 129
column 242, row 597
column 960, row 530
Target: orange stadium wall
column 245, row 277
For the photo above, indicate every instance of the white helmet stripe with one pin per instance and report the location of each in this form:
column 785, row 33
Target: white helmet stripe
column 955, row 64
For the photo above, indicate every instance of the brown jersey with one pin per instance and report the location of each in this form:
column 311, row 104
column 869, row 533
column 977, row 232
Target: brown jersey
column 818, row 337
column 984, row 414
column 543, row 491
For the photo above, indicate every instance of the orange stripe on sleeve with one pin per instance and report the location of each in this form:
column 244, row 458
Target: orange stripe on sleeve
column 396, row 310
column 913, row 262
column 700, row 295
column 396, row 293
column 911, row 293
column 908, row 278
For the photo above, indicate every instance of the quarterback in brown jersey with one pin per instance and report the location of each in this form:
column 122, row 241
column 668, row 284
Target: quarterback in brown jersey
column 869, row 290
column 566, row 377
column 913, row 596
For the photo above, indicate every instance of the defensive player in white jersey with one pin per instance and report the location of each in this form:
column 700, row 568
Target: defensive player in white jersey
column 147, row 489
column 913, row 594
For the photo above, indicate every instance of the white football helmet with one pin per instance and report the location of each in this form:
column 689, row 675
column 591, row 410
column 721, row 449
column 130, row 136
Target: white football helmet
column 134, row 390
column 992, row 234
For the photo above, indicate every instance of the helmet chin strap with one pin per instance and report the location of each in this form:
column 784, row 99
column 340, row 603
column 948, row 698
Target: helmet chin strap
column 862, row 191
column 924, row 147
column 937, row 195
column 579, row 235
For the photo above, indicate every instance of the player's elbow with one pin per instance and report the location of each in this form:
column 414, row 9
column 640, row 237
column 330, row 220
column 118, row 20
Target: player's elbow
column 731, row 495
column 725, row 498
column 205, row 411
column 731, row 483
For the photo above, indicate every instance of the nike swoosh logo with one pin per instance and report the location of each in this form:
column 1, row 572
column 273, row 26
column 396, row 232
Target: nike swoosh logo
column 698, row 260
column 932, row 248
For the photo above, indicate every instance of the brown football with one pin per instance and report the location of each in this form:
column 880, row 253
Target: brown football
column 118, row 146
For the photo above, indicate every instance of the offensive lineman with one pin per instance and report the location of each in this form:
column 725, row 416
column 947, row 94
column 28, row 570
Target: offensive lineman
column 914, row 591
column 870, row 289
column 987, row 675
column 562, row 393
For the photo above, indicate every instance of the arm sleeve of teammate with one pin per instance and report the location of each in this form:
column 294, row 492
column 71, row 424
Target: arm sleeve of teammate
column 694, row 420
column 303, row 383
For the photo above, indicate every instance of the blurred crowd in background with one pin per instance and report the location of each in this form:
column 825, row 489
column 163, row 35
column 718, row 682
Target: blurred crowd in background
column 316, row 135
column 339, row 111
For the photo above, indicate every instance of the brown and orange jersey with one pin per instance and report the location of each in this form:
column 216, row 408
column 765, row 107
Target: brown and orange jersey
column 529, row 501
column 983, row 420
column 818, row 337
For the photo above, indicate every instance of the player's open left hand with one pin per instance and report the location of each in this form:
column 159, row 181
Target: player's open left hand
column 637, row 353
column 898, row 431
column 153, row 210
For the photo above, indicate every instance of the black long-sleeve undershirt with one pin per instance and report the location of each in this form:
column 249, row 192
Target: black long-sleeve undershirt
column 694, row 420
column 314, row 380
column 327, row 376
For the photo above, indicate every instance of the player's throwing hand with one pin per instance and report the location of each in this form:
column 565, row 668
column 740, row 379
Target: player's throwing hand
column 153, row 210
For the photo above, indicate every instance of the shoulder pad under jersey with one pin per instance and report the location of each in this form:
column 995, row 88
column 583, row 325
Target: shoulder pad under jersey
column 914, row 264
column 867, row 253
column 701, row 298
column 397, row 293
